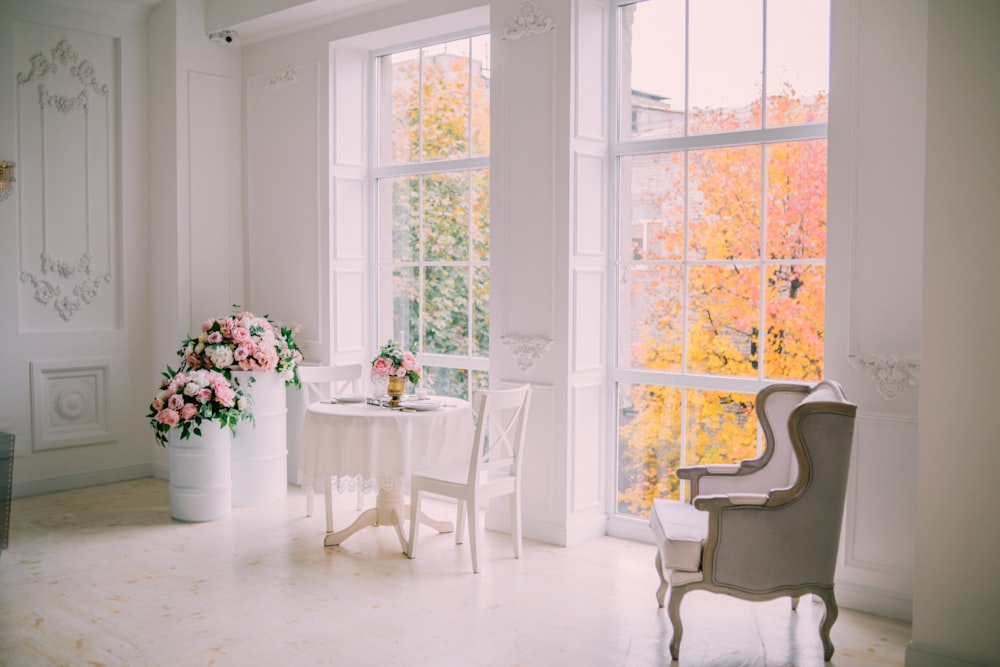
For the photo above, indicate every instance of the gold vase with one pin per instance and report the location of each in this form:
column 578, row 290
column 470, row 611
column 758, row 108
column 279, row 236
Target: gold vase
column 397, row 387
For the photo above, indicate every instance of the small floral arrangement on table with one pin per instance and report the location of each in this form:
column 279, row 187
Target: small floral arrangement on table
column 188, row 398
column 394, row 361
column 243, row 342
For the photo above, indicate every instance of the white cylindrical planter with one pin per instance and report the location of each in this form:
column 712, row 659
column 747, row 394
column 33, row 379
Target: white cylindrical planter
column 200, row 483
column 260, row 447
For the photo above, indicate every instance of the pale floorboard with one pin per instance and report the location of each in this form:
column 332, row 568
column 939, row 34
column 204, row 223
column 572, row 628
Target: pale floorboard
column 103, row 576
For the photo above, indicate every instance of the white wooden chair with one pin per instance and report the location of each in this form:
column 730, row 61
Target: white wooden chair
column 323, row 383
column 494, row 468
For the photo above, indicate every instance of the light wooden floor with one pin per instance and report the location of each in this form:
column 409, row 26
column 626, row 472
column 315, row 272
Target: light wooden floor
column 103, row 576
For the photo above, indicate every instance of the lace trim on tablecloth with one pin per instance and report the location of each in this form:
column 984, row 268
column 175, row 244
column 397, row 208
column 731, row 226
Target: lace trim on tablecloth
column 345, row 483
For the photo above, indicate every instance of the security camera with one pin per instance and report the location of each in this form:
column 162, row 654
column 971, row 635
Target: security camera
column 223, row 36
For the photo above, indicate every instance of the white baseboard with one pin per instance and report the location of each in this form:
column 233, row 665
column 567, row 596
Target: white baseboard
column 922, row 656
column 886, row 604
column 81, row 480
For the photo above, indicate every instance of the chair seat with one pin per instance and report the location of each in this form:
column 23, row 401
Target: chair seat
column 680, row 531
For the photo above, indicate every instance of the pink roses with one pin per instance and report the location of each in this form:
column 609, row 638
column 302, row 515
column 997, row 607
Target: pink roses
column 187, row 398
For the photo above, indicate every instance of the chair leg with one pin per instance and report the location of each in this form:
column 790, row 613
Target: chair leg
column 361, row 497
column 674, row 612
column 473, row 513
column 661, row 592
column 515, row 522
column 414, row 520
column 309, row 500
column 460, row 521
column 829, row 617
column 795, row 602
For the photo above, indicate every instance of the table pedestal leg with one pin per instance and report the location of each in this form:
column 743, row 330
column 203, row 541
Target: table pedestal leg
column 389, row 510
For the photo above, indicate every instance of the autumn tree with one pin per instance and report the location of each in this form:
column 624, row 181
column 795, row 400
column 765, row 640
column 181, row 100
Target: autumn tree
column 756, row 218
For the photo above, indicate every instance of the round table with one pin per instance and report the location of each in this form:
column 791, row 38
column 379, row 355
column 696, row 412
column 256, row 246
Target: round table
column 346, row 444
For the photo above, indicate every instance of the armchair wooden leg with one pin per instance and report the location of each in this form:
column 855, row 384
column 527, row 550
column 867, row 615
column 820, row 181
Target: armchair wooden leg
column 795, row 602
column 829, row 617
column 661, row 592
column 674, row 612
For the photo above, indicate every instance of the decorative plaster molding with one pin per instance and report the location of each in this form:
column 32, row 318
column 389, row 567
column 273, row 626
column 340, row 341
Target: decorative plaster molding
column 63, row 54
column 529, row 20
column 892, row 376
column 84, row 292
column 528, row 350
column 285, row 75
column 71, row 403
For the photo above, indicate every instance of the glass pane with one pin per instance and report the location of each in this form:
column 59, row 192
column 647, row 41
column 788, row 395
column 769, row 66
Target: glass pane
column 652, row 69
column 721, row 427
column 798, row 61
column 649, row 446
column 480, row 380
column 724, row 320
column 405, row 313
column 724, row 203
column 447, row 381
column 481, row 95
column 725, row 53
column 652, row 218
column 793, row 349
column 481, row 311
column 446, row 310
column 796, row 200
column 403, row 196
column 446, row 216
column 399, row 76
column 445, row 100
column 652, row 317
column 481, row 215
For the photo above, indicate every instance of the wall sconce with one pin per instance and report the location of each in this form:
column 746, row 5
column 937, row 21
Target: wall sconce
column 6, row 179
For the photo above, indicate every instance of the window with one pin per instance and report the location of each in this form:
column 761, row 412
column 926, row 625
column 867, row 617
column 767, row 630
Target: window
column 432, row 186
column 721, row 152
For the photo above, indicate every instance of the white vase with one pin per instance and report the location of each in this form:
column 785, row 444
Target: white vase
column 260, row 447
column 200, row 483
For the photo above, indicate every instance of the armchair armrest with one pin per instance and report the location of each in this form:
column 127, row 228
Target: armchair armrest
column 694, row 474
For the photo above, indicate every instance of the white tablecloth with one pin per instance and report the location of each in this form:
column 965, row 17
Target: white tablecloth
column 378, row 447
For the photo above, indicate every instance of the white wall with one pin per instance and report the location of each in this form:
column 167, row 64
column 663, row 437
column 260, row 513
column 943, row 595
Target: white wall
column 957, row 589
column 73, row 359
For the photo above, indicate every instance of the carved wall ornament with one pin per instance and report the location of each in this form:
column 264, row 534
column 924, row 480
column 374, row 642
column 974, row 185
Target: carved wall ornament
column 285, row 75
column 67, row 286
column 83, row 292
column 529, row 20
column 892, row 376
column 63, row 54
column 71, row 402
column 528, row 350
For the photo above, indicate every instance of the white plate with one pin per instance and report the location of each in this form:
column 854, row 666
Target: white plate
column 421, row 405
column 350, row 398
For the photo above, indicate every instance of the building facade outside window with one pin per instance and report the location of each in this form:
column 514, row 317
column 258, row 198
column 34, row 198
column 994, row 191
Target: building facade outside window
column 431, row 175
column 721, row 165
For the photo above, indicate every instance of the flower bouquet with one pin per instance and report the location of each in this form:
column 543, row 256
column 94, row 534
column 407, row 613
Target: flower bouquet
column 392, row 368
column 187, row 398
column 394, row 361
column 243, row 342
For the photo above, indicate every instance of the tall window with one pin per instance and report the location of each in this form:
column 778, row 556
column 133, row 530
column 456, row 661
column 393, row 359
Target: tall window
column 432, row 182
column 721, row 156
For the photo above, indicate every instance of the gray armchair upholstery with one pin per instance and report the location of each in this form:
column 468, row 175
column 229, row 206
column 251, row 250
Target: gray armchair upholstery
column 767, row 527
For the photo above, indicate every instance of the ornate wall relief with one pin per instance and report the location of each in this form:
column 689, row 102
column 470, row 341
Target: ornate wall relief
column 284, row 75
column 528, row 350
column 892, row 376
column 67, row 126
column 71, row 403
column 529, row 20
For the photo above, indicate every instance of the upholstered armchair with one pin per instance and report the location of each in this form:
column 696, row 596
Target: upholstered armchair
column 767, row 527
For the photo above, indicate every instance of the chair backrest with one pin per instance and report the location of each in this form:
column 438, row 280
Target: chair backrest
column 321, row 383
column 501, row 416
column 777, row 465
column 795, row 541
